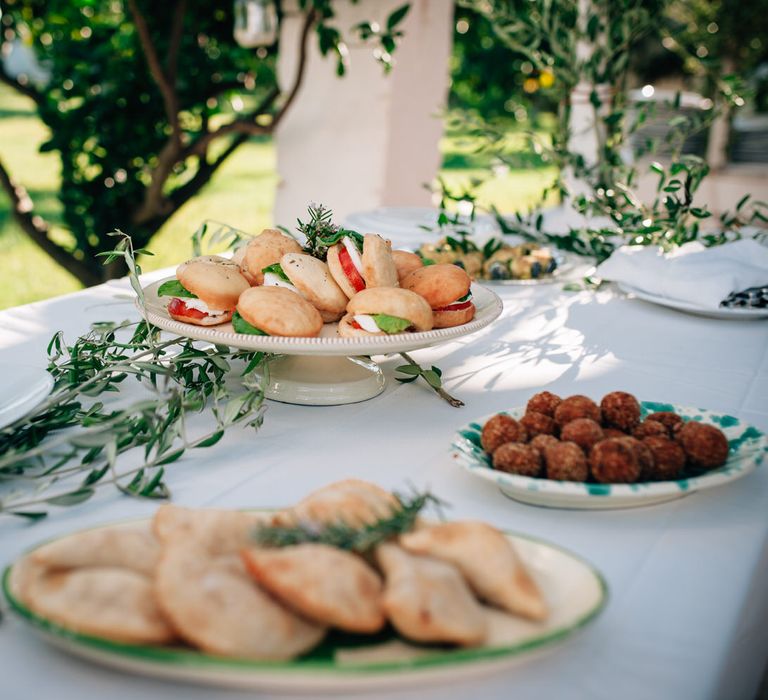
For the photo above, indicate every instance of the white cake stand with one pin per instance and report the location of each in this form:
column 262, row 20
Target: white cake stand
column 327, row 370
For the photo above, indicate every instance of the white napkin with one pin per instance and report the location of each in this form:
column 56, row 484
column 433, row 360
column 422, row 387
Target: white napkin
column 692, row 273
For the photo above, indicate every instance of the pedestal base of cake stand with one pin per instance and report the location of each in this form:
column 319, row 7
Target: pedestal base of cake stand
column 311, row 380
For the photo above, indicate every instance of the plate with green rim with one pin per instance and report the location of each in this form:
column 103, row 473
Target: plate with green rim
column 747, row 451
column 574, row 589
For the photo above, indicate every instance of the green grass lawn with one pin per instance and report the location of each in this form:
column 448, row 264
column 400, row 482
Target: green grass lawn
column 241, row 194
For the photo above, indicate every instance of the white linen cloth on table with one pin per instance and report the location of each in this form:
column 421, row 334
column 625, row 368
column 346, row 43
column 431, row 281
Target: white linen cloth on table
column 690, row 273
column 687, row 615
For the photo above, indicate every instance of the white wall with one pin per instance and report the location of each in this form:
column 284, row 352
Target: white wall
column 367, row 139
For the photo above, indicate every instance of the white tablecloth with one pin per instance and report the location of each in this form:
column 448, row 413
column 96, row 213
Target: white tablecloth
column 688, row 610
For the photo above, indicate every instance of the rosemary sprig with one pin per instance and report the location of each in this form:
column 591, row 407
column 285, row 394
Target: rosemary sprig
column 321, row 233
column 344, row 536
column 432, row 376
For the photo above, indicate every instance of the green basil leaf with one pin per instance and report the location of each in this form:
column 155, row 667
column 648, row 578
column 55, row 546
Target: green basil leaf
column 391, row 324
column 334, row 238
column 174, row 288
column 277, row 269
column 242, row 326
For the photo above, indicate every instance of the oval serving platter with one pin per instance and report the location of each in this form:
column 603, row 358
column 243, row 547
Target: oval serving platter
column 748, row 447
column 576, row 592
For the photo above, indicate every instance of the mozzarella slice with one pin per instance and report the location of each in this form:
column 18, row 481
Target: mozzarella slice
column 200, row 305
column 367, row 323
column 354, row 255
column 273, row 280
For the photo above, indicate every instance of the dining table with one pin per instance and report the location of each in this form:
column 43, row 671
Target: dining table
column 687, row 610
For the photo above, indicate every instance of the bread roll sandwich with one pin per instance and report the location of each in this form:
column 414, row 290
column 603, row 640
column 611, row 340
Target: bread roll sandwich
column 405, row 263
column 310, row 278
column 446, row 288
column 385, row 311
column 205, row 291
column 276, row 311
column 359, row 262
column 264, row 250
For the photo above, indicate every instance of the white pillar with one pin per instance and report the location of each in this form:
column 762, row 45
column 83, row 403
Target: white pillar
column 585, row 128
column 367, row 139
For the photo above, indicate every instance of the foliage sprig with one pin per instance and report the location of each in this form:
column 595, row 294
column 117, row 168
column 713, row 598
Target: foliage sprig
column 321, row 233
column 83, row 437
column 548, row 35
column 344, row 536
column 432, row 376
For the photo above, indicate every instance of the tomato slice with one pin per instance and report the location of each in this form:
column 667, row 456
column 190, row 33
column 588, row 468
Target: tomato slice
column 455, row 307
column 357, row 282
column 177, row 307
column 355, row 325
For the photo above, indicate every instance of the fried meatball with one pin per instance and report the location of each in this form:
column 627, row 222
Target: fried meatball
column 536, row 423
column 565, row 461
column 500, row 429
column 542, row 442
column 650, row 427
column 583, row 431
column 668, row 459
column 668, row 419
column 544, row 402
column 576, row 407
column 614, row 461
column 516, row 458
column 705, row 446
column 643, row 454
column 613, row 433
column 620, row 410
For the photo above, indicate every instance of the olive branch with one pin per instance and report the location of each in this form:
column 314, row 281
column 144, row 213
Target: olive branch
column 432, row 376
column 83, row 438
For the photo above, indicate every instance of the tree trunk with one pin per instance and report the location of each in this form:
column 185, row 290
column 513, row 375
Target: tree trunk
column 37, row 229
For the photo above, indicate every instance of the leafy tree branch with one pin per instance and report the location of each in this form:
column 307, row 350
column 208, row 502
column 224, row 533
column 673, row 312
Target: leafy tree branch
column 137, row 94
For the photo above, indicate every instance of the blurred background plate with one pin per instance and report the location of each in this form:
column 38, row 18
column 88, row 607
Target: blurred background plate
column 409, row 227
column 570, row 267
column 22, row 387
column 723, row 312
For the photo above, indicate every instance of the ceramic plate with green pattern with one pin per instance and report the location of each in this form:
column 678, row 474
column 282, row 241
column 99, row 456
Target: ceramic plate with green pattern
column 748, row 447
column 575, row 591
